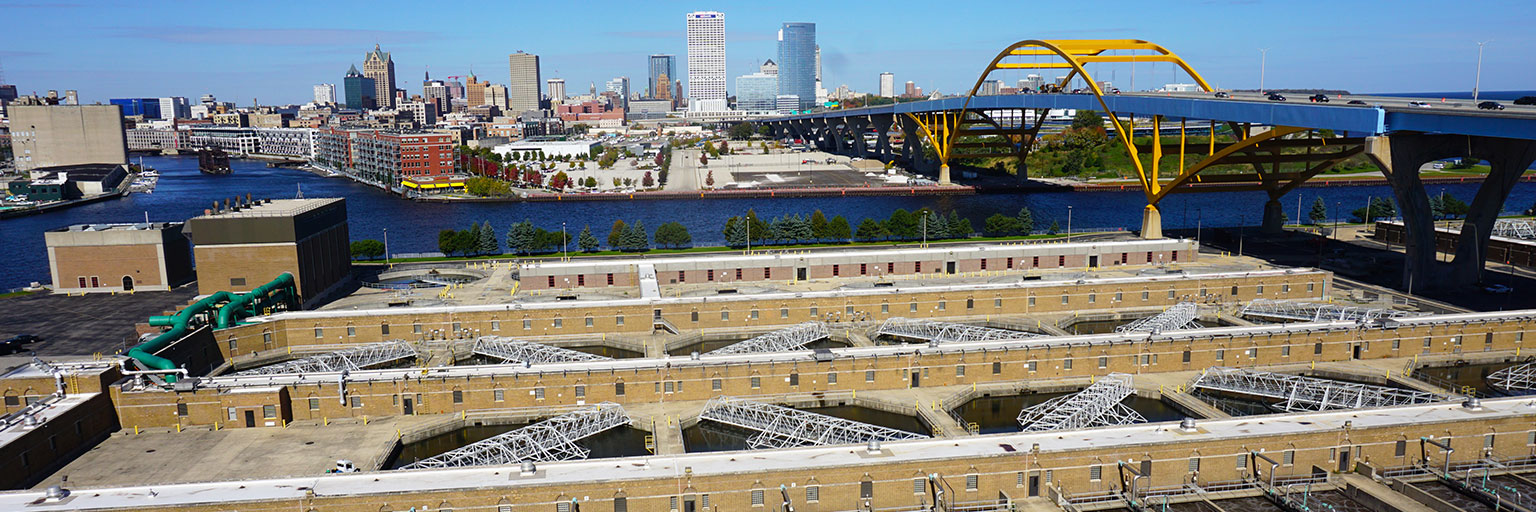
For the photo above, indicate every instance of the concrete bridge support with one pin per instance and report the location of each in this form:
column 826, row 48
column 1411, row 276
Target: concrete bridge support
column 1274, row 216
column 882, row 137
column 856, row 128
column 1401, row 155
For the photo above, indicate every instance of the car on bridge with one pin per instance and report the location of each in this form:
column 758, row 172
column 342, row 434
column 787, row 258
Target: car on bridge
column 1319, row 98
column 1274, row 96
column 1419, row 104
column 1490, row 105
column 1357, row 102
column 1223, row 94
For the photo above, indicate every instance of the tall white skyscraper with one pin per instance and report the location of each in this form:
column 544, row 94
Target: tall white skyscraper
column 325, row 94
column 887, row 85
column 706, row 61
column 175, row 107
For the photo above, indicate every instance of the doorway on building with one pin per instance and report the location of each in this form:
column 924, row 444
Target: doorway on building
column 408, row 407
column 916, row 378
column 127, row 283
column 250, row 418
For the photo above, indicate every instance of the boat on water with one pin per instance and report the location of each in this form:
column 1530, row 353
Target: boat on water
column 213, row 161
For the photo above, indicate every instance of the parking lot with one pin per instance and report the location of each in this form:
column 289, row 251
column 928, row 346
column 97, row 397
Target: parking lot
column 84, row 325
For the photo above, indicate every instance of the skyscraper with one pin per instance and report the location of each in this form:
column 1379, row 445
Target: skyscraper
column 797, row 62
column 658, row 66
column 523, row 83
column 757, row 92
column 474, row 91
column 706, row 61
column 175, row 107
column 556, row 91
column 620, row 86
column 378, row 65
column 887, row 85
column 325, row 94
column 360, row 90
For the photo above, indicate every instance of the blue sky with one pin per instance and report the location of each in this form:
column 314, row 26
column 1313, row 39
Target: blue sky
column 274, row 51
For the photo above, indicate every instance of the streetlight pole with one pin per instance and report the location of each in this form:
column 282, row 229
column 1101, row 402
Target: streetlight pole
column 1478, row 81
column 565, row 244
column 386, row 248
column 1069, row 224
column 1263, row 60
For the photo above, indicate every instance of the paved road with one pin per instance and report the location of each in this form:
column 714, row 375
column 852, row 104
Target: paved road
column 1390, row 102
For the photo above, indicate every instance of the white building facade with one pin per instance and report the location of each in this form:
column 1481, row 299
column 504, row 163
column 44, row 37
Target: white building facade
column 706, row 61
column 325, row 94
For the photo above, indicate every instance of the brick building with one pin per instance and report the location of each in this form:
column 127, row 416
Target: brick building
column 384, row 158
column 118, row 257
column 244, row 245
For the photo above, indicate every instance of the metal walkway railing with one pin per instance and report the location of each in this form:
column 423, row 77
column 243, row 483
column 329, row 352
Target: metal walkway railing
column 1297, row 393
column 549, row 440
column 783, row 427
column 351, row 359
column 1095, row 406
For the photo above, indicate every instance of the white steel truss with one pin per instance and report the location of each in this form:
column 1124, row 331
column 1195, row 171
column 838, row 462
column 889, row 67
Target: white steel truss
column 784, row 427
column 1297, row 393
column 1285, row 310
column 1514, row 228
column 1180, row 316
column 518, row 351
column 1515, row 379
column 782, row 340
column 946, row 332
column 1095, row 406
column 352, row 359
column 553, row 439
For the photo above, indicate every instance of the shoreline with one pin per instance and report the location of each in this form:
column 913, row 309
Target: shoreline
column 718, row 194
column 1314, row 182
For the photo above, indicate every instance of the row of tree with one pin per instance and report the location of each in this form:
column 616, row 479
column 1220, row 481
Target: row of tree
column 787, row 229
column 476, row 240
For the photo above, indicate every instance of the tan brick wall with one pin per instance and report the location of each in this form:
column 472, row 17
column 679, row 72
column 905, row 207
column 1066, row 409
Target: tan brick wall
column 891, row 480
column 256, row 264
column 43, row 449
column 109, row 263
column 636, row 319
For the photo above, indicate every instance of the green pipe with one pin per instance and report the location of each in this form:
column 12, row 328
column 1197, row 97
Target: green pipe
column 229, row 308
column 179, row 323
column 245, row 304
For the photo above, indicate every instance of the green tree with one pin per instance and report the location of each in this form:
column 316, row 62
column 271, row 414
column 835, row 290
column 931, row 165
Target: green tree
column 486, row 242
column 1055, row 227
column 636, row 238
column 474, row 238
column 1026, row 221
column 522, row 238
column 616, row 235
column 871, row 229
column 1379, row 208
column 1319, row 212
column 820, row 229
column 1087, row 119
column 585, row 242
column 709, row 147
column 1453, row 207
column 800, row 228
column 902, row 225
column 741, row 131
column 838, row 229
column 735, row 232
column 959, row 227
column 447, row 242
column 647, row 181
column 673, row 234
column 933, row 226
column 367, row 249
column 1000, row 225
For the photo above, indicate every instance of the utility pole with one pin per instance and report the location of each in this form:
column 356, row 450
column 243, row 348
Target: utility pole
column 1069, row 224
column 1477, row 82
column 1263, row 60
column 386, row 248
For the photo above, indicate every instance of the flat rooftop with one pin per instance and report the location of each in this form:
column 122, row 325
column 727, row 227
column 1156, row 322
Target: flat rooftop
column 272, row 208
column 140, row 226
column 742, row 464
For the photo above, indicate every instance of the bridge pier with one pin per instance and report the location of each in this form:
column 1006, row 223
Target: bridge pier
column 1401, row 155
column 1509, row 158
column 882, row 137
column 1274, row 217
column 1151, row 223
column 856, row 127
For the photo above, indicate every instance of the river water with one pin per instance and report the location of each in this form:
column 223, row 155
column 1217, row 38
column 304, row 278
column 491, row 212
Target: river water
column 183, row 192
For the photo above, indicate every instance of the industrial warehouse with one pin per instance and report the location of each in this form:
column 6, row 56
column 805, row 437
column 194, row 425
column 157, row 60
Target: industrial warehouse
column 1098, row 374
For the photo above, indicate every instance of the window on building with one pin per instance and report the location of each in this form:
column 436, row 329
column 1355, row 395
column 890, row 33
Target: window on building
column 268, row 411
column 314, row 404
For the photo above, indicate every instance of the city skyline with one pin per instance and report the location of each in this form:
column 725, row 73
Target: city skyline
column 59, row 46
